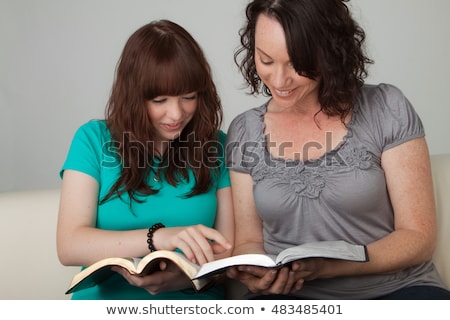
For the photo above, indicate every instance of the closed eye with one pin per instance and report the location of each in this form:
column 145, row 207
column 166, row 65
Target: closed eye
column 159, row 100
column 265, row 62
column 189, row 97
column 263, row 57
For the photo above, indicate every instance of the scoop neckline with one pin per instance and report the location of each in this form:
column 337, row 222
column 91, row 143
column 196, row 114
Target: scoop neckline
column 344, row 141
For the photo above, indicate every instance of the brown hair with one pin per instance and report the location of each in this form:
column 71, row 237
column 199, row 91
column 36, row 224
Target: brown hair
column 323, row 42
column 162, row 58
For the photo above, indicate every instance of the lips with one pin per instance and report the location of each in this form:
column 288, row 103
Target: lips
column 283, row 93
column 172, row 126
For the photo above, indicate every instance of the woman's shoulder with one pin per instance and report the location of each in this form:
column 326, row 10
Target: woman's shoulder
column 251, row 115
column 93, row 125
column 382, row 92
column 94, row 133
column 385, row 100
column 380, row 87
column 386, row 111
column 94, row 128
column 249, row 122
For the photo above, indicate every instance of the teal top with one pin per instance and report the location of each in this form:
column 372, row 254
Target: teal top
column 92, row 154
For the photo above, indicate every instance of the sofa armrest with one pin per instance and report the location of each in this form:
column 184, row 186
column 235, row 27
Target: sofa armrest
column 440, row 165
column 28, row 242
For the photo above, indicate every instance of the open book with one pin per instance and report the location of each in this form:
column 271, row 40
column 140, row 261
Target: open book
column 321, row 249
column 101, row 270
column 203, row 277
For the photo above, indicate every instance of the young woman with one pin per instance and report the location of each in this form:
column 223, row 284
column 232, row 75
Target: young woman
column 151, row 175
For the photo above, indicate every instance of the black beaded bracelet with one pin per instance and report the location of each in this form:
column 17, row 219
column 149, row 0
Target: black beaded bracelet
column 150, row 233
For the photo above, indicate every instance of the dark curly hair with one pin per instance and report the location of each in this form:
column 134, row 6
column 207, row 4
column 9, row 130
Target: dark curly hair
column 323, row 41
column 162, row 58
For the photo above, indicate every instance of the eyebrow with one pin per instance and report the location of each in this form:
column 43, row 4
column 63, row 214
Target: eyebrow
column 266, row 55
column 261, row 51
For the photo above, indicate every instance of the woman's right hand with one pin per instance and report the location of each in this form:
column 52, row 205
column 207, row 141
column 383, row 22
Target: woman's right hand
column 266, row 280
column 168, row 278
column 198, row 243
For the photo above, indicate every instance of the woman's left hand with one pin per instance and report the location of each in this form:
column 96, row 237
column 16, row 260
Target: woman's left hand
column 286, row 280
column 267, row 280
column 309, row 269
column 168, row 278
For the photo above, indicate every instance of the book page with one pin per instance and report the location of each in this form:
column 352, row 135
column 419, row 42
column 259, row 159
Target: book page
column 150, row 264
column 324, row 249
column 178, row 258
column 98, row 272
column 101, row 270
column 243, row 259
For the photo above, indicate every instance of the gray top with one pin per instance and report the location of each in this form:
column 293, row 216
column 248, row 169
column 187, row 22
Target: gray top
column 339, row 196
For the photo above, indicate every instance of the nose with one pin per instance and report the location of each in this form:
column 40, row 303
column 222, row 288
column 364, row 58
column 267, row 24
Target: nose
column 281, row 76
column 174, row 110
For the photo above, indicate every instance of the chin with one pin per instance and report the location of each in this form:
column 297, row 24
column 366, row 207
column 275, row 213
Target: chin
column 173, row 137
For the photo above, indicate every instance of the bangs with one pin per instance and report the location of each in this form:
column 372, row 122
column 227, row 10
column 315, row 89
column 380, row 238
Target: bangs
column 173, row 72
column 300, row 37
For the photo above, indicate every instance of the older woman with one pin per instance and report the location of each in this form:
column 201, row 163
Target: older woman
column 328, row 157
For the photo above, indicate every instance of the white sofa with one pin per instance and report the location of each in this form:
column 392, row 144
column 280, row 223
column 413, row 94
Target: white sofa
column 30, row 268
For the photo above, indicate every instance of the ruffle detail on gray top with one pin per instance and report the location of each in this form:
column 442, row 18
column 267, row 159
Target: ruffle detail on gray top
column 308, row 178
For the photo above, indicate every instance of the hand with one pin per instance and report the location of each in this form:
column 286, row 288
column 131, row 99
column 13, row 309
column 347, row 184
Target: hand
column 169, row 278
column 309, row 269
column 267, row 281
column 198, row 243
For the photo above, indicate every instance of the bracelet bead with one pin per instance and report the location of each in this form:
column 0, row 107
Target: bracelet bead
column 150, row 233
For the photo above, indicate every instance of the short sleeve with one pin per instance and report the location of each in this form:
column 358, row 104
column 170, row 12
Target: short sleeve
column 245, row 140
column 394, row 118
column 87, row 151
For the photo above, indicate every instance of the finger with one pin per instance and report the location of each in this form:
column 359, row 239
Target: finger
column 122, row 271
column 116, row 269
column 188, row 241
column 200, row 244
column 163, row 265
column 132, row 280
column 198, row 254
column 217, row 248
column 209, row 240
column 232, row 273
column 290, row 283
column 297, row 265
column 254, row 270
column 205, row 243
column 187, row 251
column 298, row 285
column 214, row 237
column 279, row 284
column 266, row 282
